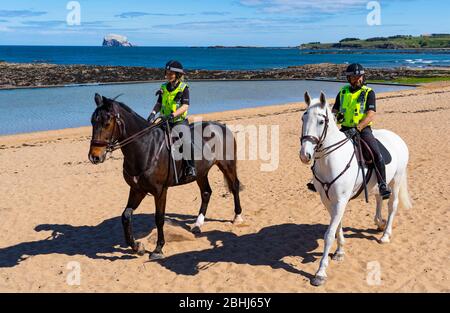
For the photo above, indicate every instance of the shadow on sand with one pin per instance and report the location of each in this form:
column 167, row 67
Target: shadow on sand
column 267, row 247
column 95, row 242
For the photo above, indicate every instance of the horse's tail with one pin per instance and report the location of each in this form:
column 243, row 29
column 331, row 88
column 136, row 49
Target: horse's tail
column 404, row 198
column 232, row 165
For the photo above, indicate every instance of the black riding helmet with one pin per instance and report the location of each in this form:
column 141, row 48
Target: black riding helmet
column 175, row 66
column 355, row 69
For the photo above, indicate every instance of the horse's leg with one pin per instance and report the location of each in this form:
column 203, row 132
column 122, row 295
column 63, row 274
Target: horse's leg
column 337, row 210
column 228, row 168
column 392, row 205
column 339, row 254
column 134, row 199
column 160, row 204
column 205, row 190
column 381, row 224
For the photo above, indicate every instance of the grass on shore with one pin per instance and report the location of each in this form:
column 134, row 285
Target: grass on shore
column 413, row 80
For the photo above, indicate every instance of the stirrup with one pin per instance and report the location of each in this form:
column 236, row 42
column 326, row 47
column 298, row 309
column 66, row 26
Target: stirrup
column 385, row 191
column 190, row 172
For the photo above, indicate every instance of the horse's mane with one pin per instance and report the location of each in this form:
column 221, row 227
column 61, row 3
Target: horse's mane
column 128, row 109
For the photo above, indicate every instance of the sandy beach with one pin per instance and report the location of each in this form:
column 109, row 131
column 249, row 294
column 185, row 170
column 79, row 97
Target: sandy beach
column 57, row 208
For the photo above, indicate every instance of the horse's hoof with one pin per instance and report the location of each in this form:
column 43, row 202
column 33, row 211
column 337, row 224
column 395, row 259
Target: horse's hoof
column 139, row 249
column 156, row 256
column 238, row 220
column 385, row 240
column 382, row 227
column 318, row 281
column 339, row 257
column 196, row 230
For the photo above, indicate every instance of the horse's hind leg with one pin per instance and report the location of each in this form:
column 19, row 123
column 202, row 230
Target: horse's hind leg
column 134, row 199
column 392, row 205
column 205, row 190
column 160, row 203
column 228, row 168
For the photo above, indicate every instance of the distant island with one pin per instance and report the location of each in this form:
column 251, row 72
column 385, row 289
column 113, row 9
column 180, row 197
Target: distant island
column 432, row 41
column 113, row 40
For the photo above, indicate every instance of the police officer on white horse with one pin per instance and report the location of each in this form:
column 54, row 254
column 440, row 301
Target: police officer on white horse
column 355, row 109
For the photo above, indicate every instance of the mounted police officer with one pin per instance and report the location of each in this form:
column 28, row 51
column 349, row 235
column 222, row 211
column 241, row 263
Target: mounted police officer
column 355, row 107
column 173, row 104
column 355, row 110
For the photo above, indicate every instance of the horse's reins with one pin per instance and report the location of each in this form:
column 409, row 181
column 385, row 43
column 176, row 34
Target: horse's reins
column 327, row 151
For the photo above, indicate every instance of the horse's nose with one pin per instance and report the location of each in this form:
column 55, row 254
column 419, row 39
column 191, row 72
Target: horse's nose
column 308, row 156
column 94, row 159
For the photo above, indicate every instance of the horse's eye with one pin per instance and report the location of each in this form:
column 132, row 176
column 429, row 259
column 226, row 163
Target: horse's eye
column 321, row 122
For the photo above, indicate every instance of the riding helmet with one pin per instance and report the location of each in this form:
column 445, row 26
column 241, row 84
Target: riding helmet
column 355, row 69
column 174, row 66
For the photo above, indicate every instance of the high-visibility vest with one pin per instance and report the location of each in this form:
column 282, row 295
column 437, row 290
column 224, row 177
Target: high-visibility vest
column 170, row 101
column 353, row 106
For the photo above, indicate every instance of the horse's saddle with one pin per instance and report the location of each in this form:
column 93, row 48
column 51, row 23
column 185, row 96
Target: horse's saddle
column 368, row 154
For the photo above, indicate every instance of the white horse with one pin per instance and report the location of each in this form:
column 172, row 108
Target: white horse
column 338, row 178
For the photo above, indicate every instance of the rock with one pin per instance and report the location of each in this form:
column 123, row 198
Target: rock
column 13, row 74
column 113, row 40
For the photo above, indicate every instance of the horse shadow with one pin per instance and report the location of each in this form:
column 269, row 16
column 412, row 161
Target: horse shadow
column 95, row 242
column 268, row 247
column 368, row 234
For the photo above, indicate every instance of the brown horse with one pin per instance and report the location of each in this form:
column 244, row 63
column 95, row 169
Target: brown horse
column 148, row 167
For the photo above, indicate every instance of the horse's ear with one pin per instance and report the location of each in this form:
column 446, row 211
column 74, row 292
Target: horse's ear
column 98, row 100
column 323, row 99
column 106, row 101
column 307, row 99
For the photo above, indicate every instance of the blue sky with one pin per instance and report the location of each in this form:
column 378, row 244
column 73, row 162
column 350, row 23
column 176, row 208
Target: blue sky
column 220, row 22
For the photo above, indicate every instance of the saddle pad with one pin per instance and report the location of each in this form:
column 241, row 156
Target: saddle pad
column 386, row 155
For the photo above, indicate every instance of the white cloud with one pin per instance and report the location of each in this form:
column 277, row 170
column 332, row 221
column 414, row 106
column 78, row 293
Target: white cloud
column 305, row 6
column 4, row 29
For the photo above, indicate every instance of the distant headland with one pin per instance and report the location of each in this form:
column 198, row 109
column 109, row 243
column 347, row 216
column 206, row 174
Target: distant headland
column 423, row 42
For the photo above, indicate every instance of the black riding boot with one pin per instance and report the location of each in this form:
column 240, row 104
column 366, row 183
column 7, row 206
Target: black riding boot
column 385, row 191
column 190, row 171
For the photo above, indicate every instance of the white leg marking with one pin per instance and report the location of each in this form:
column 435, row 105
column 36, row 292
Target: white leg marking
column 200, row 220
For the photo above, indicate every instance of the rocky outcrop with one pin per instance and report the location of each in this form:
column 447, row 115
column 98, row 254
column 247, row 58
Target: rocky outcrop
column 113, row 40
column 32, row 75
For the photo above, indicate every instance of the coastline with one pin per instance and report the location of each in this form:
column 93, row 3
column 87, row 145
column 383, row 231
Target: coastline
column 42, row 75
column 198, row 80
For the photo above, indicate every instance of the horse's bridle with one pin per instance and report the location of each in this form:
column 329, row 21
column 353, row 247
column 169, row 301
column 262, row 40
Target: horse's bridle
column 113, row 143
column 317, row 141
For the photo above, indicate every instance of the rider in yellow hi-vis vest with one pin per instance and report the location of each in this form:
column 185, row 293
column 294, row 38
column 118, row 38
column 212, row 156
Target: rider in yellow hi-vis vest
column 173, row 104
column 355, row 109
column 353, row 105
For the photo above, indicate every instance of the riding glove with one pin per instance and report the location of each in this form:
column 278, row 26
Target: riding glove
column 350, row 133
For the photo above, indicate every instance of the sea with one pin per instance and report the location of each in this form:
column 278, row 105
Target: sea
column 210, row 58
